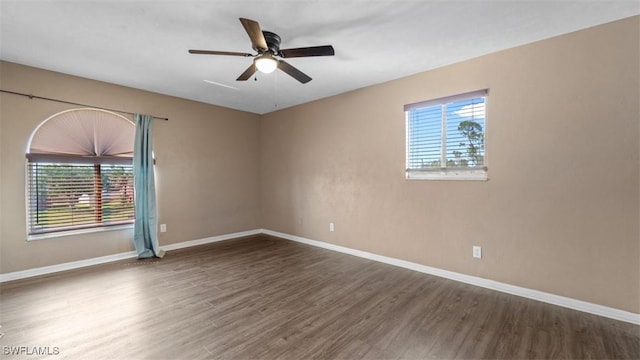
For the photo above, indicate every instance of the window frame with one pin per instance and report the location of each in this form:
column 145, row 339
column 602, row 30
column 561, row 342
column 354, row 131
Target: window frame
column 95, row 141
column 445, row 172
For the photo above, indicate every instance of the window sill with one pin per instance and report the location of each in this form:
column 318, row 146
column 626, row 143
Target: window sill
column 478, row 175
column 78, row 232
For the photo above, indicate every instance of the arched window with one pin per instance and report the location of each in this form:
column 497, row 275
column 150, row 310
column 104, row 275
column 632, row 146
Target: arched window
column 79, row 172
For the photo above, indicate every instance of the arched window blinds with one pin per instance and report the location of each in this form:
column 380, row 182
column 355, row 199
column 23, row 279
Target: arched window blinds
column 84, row 133
column 79, row 172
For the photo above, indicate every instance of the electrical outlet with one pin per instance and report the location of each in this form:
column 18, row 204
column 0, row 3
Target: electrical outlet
column 477, row 252
column 332, row 227
column 163, row 227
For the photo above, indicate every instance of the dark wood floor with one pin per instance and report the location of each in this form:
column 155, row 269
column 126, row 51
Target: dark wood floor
column 268, row 298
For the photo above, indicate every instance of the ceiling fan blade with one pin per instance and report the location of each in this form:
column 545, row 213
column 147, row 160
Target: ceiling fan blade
column 326, row 50
column 255, row 34
column 293, row 72
column 211, row 52
column 247, row 73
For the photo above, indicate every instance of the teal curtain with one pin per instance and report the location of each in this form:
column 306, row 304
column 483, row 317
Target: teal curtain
column 145, row 236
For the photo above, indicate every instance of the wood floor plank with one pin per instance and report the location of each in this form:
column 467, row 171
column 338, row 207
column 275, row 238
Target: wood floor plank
column 267, row 298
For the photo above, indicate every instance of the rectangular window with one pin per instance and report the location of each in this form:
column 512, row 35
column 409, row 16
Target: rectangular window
column 66, row 196
column 446, row 138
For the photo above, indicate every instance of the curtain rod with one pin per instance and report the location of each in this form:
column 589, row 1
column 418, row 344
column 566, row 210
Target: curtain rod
column 74, row 103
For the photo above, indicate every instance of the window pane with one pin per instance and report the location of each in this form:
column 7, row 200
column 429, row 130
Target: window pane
column 73, row 196
column 465, row 133
column 117, row 193
column 424, row 137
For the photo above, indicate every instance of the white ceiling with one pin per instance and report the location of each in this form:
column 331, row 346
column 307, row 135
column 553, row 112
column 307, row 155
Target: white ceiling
column 143, row 44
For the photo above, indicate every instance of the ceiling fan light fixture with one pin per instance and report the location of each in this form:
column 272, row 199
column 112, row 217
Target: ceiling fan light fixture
column 266, row 63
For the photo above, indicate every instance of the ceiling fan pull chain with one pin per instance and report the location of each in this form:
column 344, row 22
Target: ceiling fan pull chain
column 275, row 91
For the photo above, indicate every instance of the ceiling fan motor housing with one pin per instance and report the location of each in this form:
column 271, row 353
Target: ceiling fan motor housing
column 273, row 41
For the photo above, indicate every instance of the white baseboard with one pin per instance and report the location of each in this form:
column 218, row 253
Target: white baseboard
column 17, row 275
column 553, row 299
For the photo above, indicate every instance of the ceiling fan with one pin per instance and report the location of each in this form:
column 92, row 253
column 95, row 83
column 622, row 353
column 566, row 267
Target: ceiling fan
column 267, row 46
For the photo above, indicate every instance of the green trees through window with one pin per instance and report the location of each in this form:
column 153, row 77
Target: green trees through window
column 473, row 133
column 71, row 196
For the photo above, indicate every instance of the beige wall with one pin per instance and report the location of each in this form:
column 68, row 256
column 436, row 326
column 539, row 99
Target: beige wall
column 207, row 166
column 560, row 212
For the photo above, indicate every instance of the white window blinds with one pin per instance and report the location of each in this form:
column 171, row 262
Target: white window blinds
column 76, row 196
